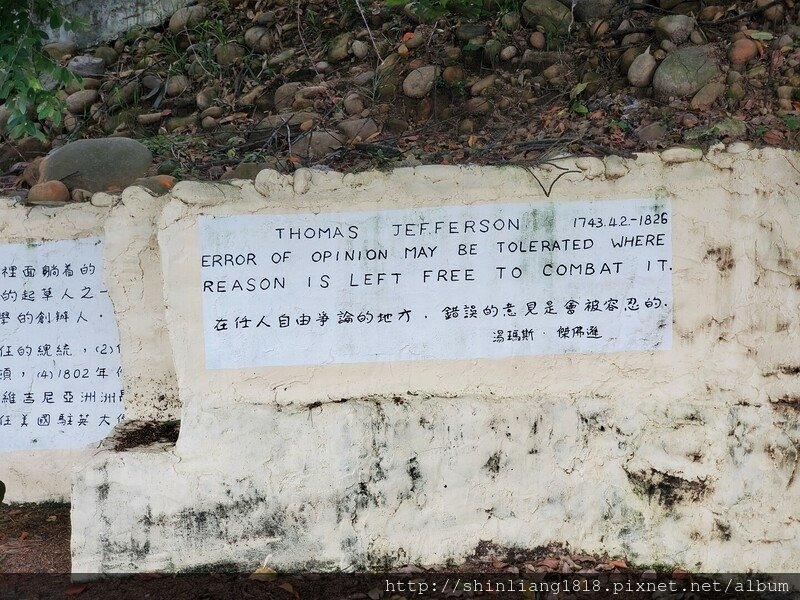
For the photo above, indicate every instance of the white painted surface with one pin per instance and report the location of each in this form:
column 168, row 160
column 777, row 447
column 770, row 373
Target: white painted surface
column 424, row 480
column 478, row 281
column 685, row 455
column 131, row 264
column 60, row 369
column 39, row 475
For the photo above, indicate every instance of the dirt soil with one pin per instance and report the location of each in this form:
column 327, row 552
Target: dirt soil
column 34, row 538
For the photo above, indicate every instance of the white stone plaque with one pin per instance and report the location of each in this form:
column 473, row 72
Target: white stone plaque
column 446, row 282
column 60, row 370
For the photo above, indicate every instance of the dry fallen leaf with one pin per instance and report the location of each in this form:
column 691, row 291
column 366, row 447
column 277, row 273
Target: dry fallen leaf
column 619, row 564
column 288, row 587
column 76, row 589
column 776, row 61
column 550, row 563
column 264, row 574
column 773, row 137
column 234, row 117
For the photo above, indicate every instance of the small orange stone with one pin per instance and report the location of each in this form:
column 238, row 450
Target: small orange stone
column 49, row 192
column 453, row 74
column 538, row 40
column 166, row 180
column 743, row 51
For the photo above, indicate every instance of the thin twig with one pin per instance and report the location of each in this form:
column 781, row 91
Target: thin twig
column 547, row 191
column 658, row 9
column 624, row 32
column 369, row 31
column 297, row 12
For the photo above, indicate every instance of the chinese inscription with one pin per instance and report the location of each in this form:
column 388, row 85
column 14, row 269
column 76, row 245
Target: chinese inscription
column 60, row 369
column 451, row 282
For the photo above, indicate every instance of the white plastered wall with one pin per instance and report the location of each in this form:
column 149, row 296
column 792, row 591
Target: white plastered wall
column 684, row 456
column 132, row 264
column 687, row 456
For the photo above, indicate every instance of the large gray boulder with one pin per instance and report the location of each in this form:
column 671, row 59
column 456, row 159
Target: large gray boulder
column 107, row 19
column 98, row 165
column 550, row 14
column 675, row 28
column 684, row 71
column 589, row 10
column 87, row 66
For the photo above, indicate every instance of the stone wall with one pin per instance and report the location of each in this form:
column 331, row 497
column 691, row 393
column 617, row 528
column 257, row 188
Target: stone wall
column 685, row 456
column 107, row 19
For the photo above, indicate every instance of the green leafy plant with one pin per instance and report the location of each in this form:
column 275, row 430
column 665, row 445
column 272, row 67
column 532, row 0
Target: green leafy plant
column 458, row 88
column 620, row 124
column 161, row 145
column 792, row 122
column 576, row 104
column 313, row 22
column 216, row 29
column 350, row 8
column 24, row 65
column 174, row 56
column 433, row 9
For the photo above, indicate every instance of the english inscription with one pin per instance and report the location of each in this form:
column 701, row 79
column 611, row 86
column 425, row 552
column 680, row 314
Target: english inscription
column 447, row 282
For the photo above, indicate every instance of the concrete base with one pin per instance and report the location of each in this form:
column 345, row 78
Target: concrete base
column 687, row 456
column 40, row 475
column 389, row 481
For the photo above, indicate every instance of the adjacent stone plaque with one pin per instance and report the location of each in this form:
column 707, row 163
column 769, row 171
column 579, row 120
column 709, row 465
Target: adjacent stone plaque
column 60, row 370
column 447, row 282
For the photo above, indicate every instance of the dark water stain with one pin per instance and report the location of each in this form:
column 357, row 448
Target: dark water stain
column 723, row 529
column 791, row 370
column 667, row 490
column 493, row 463
column 723, row 256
